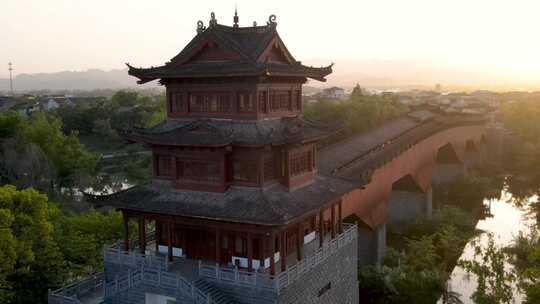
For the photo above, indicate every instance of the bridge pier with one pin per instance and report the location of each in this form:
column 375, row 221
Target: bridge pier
column 371, row 245
column 406, row 206
column 473, row 156
column 448, row 167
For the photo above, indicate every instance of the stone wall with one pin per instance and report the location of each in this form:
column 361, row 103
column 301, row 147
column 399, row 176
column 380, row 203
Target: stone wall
column 333, row 281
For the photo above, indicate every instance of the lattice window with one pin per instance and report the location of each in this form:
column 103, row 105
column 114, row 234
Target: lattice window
column 262, row 101
column 245, row 170
column 198, row 171
column 269, row 168
column 176, row 102
column 163, row 165
column 210, row 102
column 301, row 163
column 245, row 102
column 280, row 101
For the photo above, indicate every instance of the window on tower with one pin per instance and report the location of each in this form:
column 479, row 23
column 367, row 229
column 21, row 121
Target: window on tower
column 198, row 171
column 301, row 163
column 163, row 165
column 245, row 102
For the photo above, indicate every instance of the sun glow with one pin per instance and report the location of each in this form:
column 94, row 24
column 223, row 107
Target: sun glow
column 495, row 41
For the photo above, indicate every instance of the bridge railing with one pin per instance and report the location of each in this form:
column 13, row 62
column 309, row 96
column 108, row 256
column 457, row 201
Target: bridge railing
column 405, row 140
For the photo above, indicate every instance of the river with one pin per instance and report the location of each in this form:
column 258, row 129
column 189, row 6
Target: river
column 506, row 222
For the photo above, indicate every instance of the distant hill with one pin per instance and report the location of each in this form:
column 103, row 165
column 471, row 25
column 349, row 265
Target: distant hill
column 84, row 80
column 375, row 74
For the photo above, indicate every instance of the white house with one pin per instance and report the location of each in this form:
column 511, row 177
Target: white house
column 334, row 93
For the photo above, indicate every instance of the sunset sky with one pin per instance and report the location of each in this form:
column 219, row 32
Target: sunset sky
column 494, row 39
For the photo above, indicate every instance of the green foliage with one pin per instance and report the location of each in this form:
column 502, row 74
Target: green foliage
column 41, row 248
column 469, row 193
column 39, row 137
column 494, row 280
column 358, row 114
column 9, row 123
column 31, row 258
column 83, row 237
column 522, row 117
column 525, row 256
column 416, row 270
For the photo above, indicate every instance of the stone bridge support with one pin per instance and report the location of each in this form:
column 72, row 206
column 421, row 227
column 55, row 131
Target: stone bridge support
column 371, row 245
column 408, row 202
column 473, row 155
column 448, row 166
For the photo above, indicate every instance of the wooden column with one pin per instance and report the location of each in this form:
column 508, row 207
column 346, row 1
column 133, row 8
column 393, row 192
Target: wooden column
column 169, row 241
column 250, row 252
column 283, row 250
column 218, row 246
column 321, row 228
column 300, row 241
column 126, row 231
column 158, row 234
column 340, row 218
column 333, row 221
column 272, row 253
column 142, row 235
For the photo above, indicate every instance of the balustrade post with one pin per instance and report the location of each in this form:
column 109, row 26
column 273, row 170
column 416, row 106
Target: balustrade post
column 235, row 273
column 217, row 271
column 200, row 267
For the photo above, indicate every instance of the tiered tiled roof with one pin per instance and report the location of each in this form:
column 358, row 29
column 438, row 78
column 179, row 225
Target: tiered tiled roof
column 272, row 205
column 248, row 42
column 221, row 132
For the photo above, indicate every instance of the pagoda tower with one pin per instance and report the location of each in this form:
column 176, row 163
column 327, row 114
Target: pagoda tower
column 236, row 208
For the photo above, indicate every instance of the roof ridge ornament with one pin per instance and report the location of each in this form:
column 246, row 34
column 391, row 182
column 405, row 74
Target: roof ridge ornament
column 200, row 27
column 235, row 19
column 213, row 20
column 271, row 20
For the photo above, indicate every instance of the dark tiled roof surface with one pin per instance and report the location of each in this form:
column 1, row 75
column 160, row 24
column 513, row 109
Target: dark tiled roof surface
column 221, row 132
column 273, row 205
column 248, row 42
column 228, row 69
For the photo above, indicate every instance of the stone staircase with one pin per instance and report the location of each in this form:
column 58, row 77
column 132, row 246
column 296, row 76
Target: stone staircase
column 215, row 293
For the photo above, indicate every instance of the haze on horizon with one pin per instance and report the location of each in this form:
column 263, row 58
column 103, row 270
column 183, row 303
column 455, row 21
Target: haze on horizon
column 485, row 43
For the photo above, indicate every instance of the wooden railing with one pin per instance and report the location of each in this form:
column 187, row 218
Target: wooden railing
column 157, row 278
column 72, row 293
column 285, row 278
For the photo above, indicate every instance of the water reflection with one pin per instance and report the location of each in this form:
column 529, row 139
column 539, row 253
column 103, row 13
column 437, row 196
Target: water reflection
column 506, row 221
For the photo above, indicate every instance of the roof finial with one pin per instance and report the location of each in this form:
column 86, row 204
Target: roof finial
column 200, row 27
column 213, row 20
column 271, row 20
column 235, row 17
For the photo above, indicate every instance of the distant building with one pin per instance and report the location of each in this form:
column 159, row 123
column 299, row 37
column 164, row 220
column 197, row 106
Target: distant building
column 334, row 93
column 6, row 103
column 56, row 102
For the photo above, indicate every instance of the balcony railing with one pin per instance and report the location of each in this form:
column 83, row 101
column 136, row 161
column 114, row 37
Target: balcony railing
column 72, row 293
column 291, row 274
column 157, row 278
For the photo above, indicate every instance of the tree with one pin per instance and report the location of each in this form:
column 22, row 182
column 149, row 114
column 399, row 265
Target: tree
column 31, row 258
column 494, row 281
column 70, row 158
column 356, row 92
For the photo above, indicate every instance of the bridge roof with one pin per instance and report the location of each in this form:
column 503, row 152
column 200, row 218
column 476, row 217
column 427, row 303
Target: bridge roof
column 341, row 153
